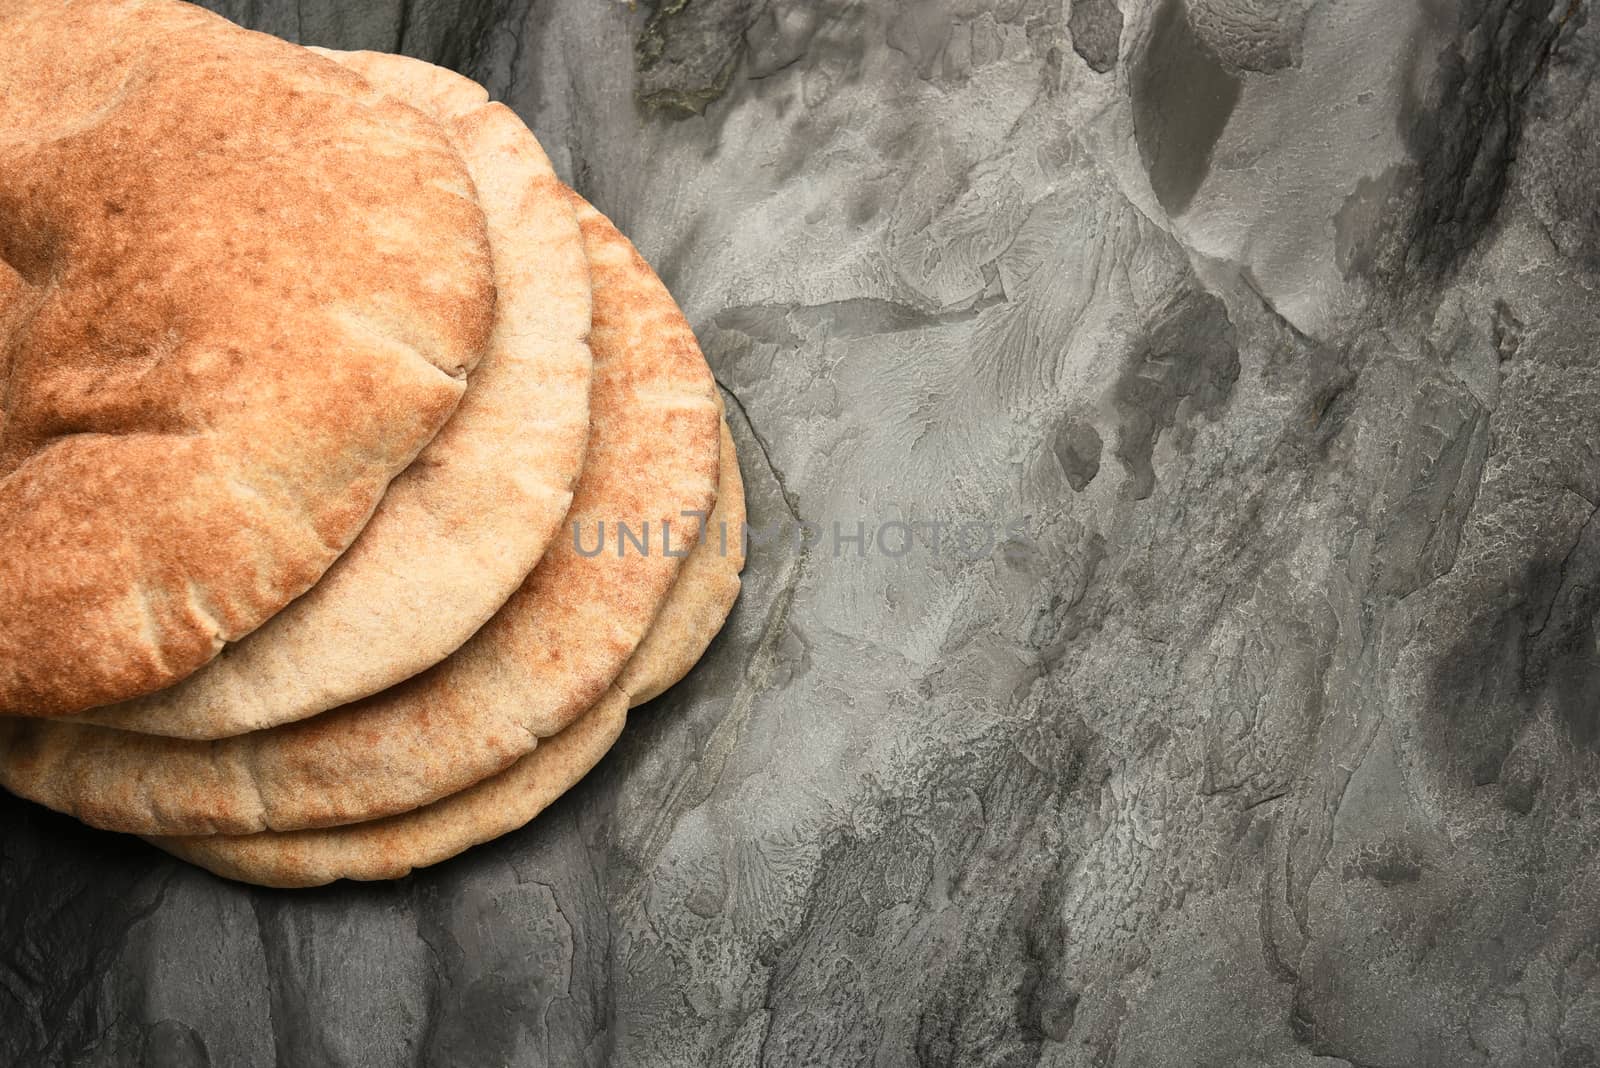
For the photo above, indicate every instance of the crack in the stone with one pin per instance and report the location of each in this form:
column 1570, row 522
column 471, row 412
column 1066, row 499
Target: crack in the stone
column 1561, row 575
column 438, row 970
column 791, row 500
column 269, row 963
column 692, row 790
column 138, row 916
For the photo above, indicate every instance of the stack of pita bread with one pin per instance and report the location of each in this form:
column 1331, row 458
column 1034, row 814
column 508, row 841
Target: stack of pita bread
column 356, row 476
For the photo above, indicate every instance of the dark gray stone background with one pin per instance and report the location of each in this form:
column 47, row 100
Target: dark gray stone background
column 1272, row 739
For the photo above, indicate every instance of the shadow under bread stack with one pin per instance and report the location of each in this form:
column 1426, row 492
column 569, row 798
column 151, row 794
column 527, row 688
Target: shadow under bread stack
column 314, row 380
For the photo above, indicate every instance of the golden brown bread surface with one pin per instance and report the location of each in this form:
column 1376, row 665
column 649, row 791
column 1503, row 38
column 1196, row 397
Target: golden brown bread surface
column 459, row 529
column 547, row 656
column 702, row 597
column 389, row 848
column 241, row 290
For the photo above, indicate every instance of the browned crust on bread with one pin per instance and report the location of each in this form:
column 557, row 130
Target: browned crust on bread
column 548, row 655
column 243, row 292
column 393, row 847
column 390, row 848
column 460, row 529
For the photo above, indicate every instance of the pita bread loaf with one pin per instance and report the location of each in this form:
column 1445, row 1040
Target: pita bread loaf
column 240, row 289
column 460, row 528
column 390, row 848
column 702, row 597
column 546, row 657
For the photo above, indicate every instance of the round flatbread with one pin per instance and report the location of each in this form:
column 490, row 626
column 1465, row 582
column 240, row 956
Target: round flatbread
column 240, row 289
column 702, row 597
column 461, row 527
column 547, row 656
column 390, row 848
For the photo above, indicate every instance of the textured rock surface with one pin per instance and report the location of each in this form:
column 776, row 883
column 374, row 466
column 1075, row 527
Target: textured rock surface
column 1267, row 733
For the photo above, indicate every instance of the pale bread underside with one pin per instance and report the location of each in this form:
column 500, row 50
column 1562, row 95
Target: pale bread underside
column 547, row 656
column 460, row 529
column 389, row 848
column 239, row 291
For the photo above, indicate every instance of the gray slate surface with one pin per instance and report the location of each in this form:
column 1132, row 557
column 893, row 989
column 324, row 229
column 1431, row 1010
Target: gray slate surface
column 1268, row 733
